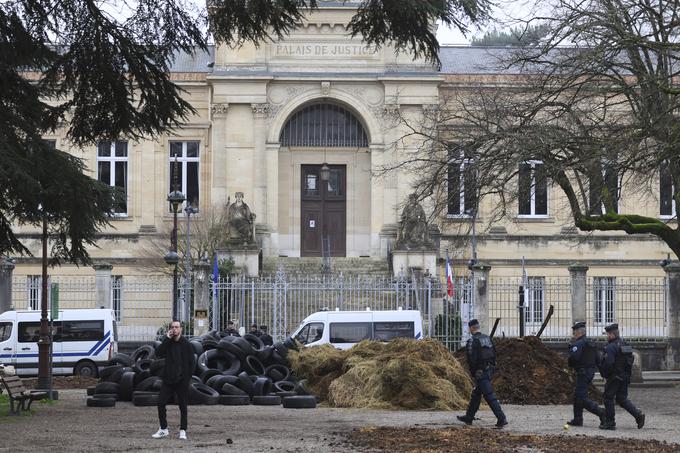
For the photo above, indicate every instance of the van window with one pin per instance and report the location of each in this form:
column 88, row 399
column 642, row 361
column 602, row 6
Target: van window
column 5, row 331
column 29, row 332
column 385, row 331
column 350, row 332
column 310, row 333
column 91, row 330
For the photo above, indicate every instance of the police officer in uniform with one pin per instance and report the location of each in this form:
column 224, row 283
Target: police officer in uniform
column 481, row 357
column 231, row 331
column 616, row 368
column 583, row 359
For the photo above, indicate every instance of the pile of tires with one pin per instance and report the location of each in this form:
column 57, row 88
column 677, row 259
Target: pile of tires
column 229, row 370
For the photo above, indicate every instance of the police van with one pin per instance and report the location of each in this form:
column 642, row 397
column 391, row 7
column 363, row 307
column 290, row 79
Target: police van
column 82, row 340
column 344, row 329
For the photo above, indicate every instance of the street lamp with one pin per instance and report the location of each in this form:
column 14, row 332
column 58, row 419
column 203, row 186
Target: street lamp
column 175, row 198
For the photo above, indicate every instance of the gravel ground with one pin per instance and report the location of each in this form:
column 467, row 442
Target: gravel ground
column 71, row 426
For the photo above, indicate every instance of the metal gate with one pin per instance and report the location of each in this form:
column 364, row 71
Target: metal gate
column 282, row 301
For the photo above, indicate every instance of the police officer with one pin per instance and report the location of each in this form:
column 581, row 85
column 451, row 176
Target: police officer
column 265, row 337
column 254, row 331
column 231, row 331
column 616, row 367
column 481, row 357
column 583, row 359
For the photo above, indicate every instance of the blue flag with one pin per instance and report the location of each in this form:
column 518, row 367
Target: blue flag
column 216, row 271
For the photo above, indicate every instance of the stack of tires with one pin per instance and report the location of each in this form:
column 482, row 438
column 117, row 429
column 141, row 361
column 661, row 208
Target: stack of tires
column 229, row 371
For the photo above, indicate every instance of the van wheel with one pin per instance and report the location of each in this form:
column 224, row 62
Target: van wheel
column 85, row 369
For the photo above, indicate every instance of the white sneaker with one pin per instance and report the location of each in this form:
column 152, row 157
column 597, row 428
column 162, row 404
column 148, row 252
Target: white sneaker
column 182, row 434
column 161, row 433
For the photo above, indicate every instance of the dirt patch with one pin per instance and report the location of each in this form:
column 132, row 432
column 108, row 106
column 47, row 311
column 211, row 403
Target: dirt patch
column 529, row 372
column 491, row 441
column 400, row 374
column 64, row 382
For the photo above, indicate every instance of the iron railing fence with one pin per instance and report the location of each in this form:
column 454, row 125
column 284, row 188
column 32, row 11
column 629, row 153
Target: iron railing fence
column 638, row 305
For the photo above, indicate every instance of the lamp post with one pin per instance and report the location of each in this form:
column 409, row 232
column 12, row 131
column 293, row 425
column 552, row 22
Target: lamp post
column 175, row 198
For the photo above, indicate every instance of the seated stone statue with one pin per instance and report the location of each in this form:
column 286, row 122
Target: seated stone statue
column 240, row 221
column 413, row 230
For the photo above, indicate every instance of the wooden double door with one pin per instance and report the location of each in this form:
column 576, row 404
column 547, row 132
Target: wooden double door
column 324, row 210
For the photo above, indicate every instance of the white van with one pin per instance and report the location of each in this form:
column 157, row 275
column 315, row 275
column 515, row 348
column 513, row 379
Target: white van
column 344, row 329
column 83, row 340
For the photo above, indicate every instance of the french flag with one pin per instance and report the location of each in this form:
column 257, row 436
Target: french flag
column 449, row 277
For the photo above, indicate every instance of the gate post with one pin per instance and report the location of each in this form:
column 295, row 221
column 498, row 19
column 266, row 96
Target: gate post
column 102, row 272
column 201, row 298
column 673, row 350
column 578, row 272
column 6, row 268
column 480, row 294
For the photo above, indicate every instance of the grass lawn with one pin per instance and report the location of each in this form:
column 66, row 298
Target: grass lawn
column 4, row 408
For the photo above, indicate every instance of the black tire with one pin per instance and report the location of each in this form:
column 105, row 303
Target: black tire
column 195, row 379
column 290, row 343
column 101, row 402
column 230, row 389
column 139, row 392
column 156, row 367
column 107, row 371
column 299, row 402
column 116, row 375
column 139, row 377
column 148, row 384
column 142, row 365
column 233, row 380
column 198, row 347
column 207, row 374
column 202, row 394
column 216, row 382
column 106, row 387
column 301, row 388
column 243, row 345
column 233, row 400
column 90, row 390
column 209, row 343
column 254, row 365
column 284, row 386
column 121, row 359
column 265, row 354
column 145, row 400
column 245, row 384
column 285, row 394
column 234, row 350
column 277, row 372
column 277, row 359
column 281, row 348
column 99, row 396
column 266, row 400
column 146, row 351
column 262, row 386
column 127, row 386
column 217, row 359
column 255, row 342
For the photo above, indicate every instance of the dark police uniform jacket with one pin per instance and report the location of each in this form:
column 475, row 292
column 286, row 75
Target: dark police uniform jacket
column 617, row 361
column 583, row 354
column 481, row 353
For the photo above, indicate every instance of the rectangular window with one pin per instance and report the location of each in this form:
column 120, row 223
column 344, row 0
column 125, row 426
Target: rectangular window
column 350, row 332
column 112, row 169
column 612, row 183
column 604, row 298
column 117, row 295
column 533, row 189
column 535, row 298
column 186, row 171
column 28, row 332
column 82, row 330
column 34, row 286
column 667, row 206
column 5, row 331
column 462, row 196
column 385, row 331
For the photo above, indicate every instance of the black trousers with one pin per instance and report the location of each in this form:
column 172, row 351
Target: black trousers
column 484, row 389
column 616, row 391
column 181, row 392
column 584, row 377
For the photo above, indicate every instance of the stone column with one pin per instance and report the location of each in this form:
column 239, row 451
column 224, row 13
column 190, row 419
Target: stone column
column 6, row 268
column 202, row 297
column 260, row 163
column 673, row 351
column 578, row 272
column 270, row 244
column 480, row 276
column 102, row 272
column 219, row 153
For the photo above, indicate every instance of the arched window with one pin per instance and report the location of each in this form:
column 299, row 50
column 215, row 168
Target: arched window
column 323, row 124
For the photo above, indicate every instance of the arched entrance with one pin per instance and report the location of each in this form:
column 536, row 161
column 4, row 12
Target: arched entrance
column 322, row 139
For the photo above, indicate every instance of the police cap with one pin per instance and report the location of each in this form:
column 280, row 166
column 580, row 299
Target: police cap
column 473, row 323
column 578, row 325
column 611, row 327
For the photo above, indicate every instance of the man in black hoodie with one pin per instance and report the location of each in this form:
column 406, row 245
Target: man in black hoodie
column 179, row 366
